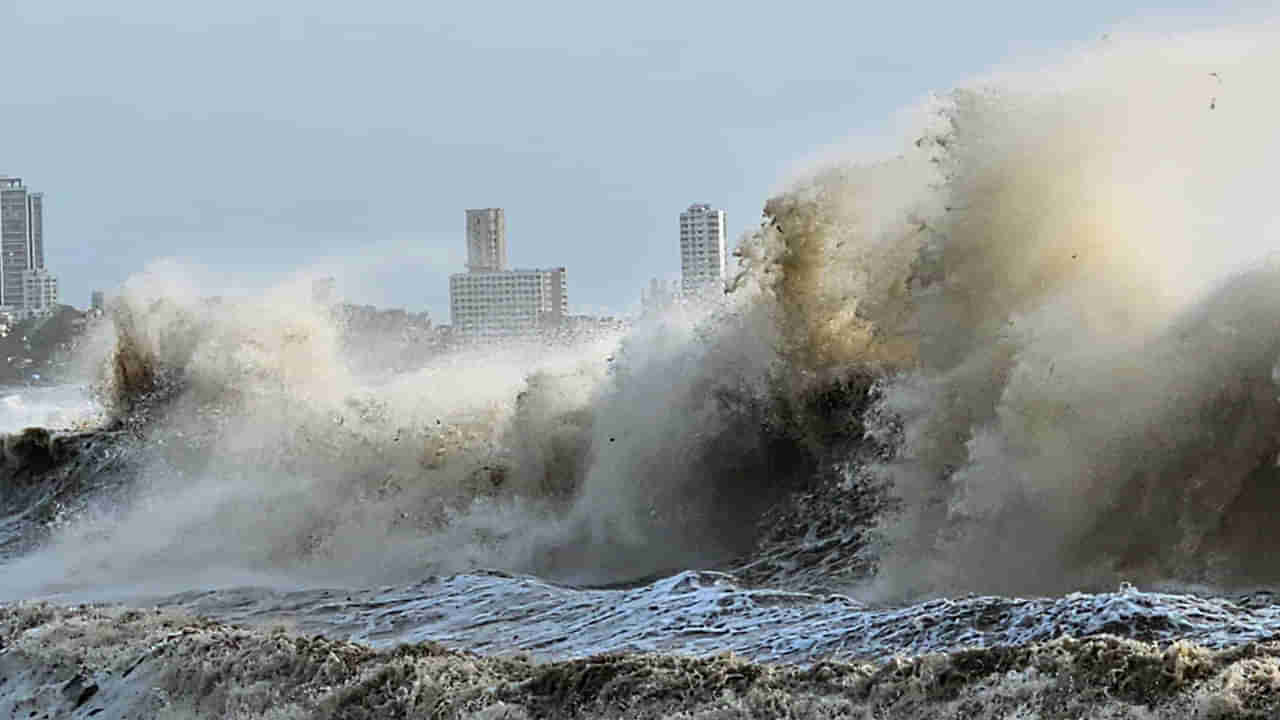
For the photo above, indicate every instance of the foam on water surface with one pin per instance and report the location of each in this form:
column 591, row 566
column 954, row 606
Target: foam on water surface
column 113, row 662
column 704, row 613
column 1031, row 352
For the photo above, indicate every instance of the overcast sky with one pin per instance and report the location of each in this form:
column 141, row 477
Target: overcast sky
column 254, row 138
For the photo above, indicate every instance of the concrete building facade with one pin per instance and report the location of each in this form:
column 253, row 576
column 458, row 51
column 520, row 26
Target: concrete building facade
column 507, row 303
column 491, row 301
column 39, row 292
column 21, row 239
column 702, row 250
column 486, row 240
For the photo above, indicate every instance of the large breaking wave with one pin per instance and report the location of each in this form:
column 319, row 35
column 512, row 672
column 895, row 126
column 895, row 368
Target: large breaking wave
column 1035, row 347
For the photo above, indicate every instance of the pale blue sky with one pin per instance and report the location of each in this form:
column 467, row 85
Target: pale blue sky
column 254, row 137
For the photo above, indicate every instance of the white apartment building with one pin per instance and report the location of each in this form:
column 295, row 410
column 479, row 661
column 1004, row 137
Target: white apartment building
column 702, row 250
column 506, row 303
column 491, row 301
column 39, row 292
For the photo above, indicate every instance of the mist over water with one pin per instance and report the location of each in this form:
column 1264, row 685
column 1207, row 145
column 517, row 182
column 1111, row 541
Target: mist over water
column 986, row 425
column 1076, row 313
column 1051, row 309
column 63, row 405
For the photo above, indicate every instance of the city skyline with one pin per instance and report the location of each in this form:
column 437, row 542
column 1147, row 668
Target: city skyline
column 166, row 145
column 484, row 237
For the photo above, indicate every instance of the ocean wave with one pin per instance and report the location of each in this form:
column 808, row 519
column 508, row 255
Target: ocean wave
column 1032, row 350
column 73, row 662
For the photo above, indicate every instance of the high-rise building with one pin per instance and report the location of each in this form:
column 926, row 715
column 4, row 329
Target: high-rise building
column 98, row 302
column 486, row 240
column 490, row 301
column 702, row 250
column 21, row 239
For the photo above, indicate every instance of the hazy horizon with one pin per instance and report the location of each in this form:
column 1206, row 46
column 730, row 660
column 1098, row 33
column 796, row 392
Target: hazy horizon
column 987, row 425
column 349, row 141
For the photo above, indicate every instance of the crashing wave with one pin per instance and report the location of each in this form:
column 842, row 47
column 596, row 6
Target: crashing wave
column 1033, row 351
